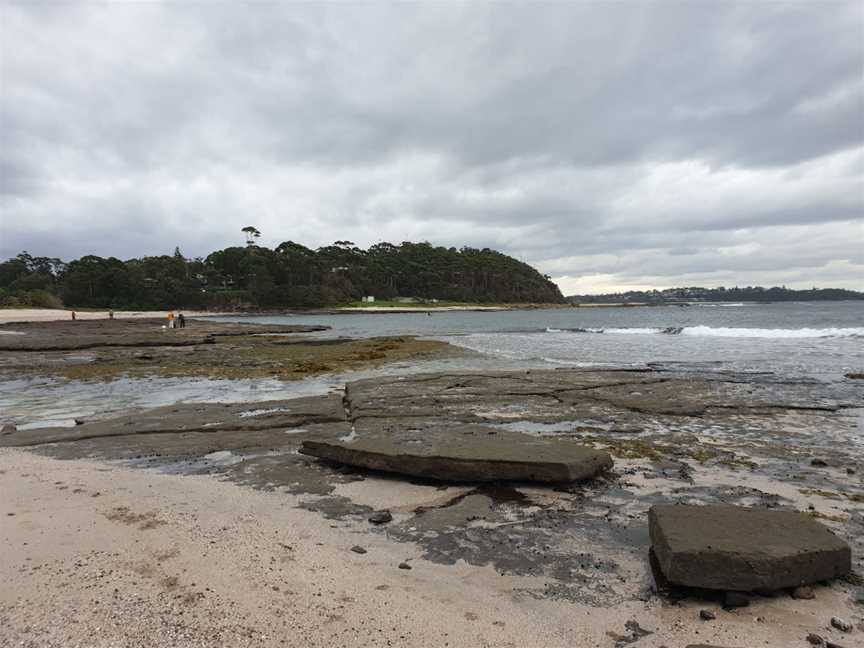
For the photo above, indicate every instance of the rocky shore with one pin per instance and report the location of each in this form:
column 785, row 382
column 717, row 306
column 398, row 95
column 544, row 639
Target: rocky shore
column 395, row 557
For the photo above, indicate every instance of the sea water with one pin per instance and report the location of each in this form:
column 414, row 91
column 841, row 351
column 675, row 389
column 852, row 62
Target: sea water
column 814, row 340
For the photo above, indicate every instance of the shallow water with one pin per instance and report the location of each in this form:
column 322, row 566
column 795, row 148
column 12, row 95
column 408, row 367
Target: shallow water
column 822, row 339
column 813, row 339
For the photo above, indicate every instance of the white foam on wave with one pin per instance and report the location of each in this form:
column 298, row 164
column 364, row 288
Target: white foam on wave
column 726, row 332
column 709, row 331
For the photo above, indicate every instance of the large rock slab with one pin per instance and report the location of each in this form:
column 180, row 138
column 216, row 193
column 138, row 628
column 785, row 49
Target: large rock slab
column 743, row 549
column 468, row 454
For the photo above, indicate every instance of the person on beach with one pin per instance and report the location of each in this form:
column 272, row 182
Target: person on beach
column 74, row 316
column 170, row 319
column 110, row 314
column 181, row 320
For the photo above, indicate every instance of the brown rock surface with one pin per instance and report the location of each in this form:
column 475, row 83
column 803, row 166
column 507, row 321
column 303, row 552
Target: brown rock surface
column 742, row 549
column 467, row 454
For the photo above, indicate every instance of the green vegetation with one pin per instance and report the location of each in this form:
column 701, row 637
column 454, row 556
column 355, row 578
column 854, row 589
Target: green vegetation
column 289, row 276
column 736, row 294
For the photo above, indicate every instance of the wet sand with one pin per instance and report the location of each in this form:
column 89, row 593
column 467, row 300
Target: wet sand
column 107, row 556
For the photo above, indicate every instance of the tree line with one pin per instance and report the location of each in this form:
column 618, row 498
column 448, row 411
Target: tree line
column 721, row 294
column 289, row 276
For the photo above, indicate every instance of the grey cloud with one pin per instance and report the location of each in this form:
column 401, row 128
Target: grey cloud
column 567, row 134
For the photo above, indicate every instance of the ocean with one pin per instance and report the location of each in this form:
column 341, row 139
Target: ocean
column 814, row 339
column 810, row 340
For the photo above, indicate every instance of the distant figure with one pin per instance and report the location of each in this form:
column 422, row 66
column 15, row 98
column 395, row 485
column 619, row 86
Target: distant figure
column 74, row 316
column 171, row 319
column 181, row 320
column 110, row 314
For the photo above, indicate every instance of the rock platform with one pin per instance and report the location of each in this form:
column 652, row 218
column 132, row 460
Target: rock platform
column 743, row 549
column 470, row 453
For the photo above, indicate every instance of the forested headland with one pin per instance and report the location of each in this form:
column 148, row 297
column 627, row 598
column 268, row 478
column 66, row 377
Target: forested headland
column 722, row 294
column 253, row 277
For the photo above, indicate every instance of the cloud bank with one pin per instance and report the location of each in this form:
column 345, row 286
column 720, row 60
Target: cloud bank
column 612, row 145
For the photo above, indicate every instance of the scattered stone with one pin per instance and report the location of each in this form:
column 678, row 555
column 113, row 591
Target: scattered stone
column 8, row 428
column 841, row 624
column 381, row 517
column 742, row 549
column 707, row 615
column 850, row 471
column 815, row 639
column 358, row 549
column 804, row 592
column 735, row 600
column 818, row 462
column 79, row 421
column 467, row 453
column 404, row 565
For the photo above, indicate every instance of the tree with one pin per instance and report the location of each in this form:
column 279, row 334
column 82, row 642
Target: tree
column 251, row 233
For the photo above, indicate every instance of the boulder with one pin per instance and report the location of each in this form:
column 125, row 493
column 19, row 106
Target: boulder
column 456, row 456
column 742, row 549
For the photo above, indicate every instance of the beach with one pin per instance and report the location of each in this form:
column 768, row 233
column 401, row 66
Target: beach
column 157, row 490
column 104, row 556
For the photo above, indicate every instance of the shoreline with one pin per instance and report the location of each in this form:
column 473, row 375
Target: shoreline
column 201, row 522
column 100, row 554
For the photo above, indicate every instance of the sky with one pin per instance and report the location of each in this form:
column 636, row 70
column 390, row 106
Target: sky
column 614, row 146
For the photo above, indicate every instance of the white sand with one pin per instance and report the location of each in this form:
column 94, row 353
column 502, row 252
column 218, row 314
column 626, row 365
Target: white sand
column 98, row 556
column 52, row 314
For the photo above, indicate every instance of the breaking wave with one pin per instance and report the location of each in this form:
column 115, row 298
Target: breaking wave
column 726, row 332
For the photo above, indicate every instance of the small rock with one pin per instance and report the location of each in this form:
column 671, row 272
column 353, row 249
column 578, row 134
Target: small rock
column 358, row 549
column 831, row 644
column 707, row 615
column 815, row 639
column 818, row 462
column 855, row 376
column 850, row 471
column 79, row 421
column 8, row 428
column 735, row 600
column 404, row 565
column 841, row 624
column 380, row 517
column 803, row 592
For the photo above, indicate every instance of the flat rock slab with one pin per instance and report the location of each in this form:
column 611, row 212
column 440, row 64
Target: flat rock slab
column 743, row 549
column 469, row 453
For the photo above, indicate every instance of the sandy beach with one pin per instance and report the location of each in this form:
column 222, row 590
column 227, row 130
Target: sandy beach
column 55, row 314
column 204, row 522
column 97, row 555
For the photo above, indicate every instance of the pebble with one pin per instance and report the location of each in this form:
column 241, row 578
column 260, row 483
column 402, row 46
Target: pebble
column 8, row 428
column 358, row 549
column 850, row 471
column 380, row 517
column 815, row 639
column 803, row 592
column 707, row 615
column 404, row 565
column 818, row 462
column 735, row 600
column 841, row 624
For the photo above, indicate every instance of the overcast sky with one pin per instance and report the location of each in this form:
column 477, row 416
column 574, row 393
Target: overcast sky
column 613, row 146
